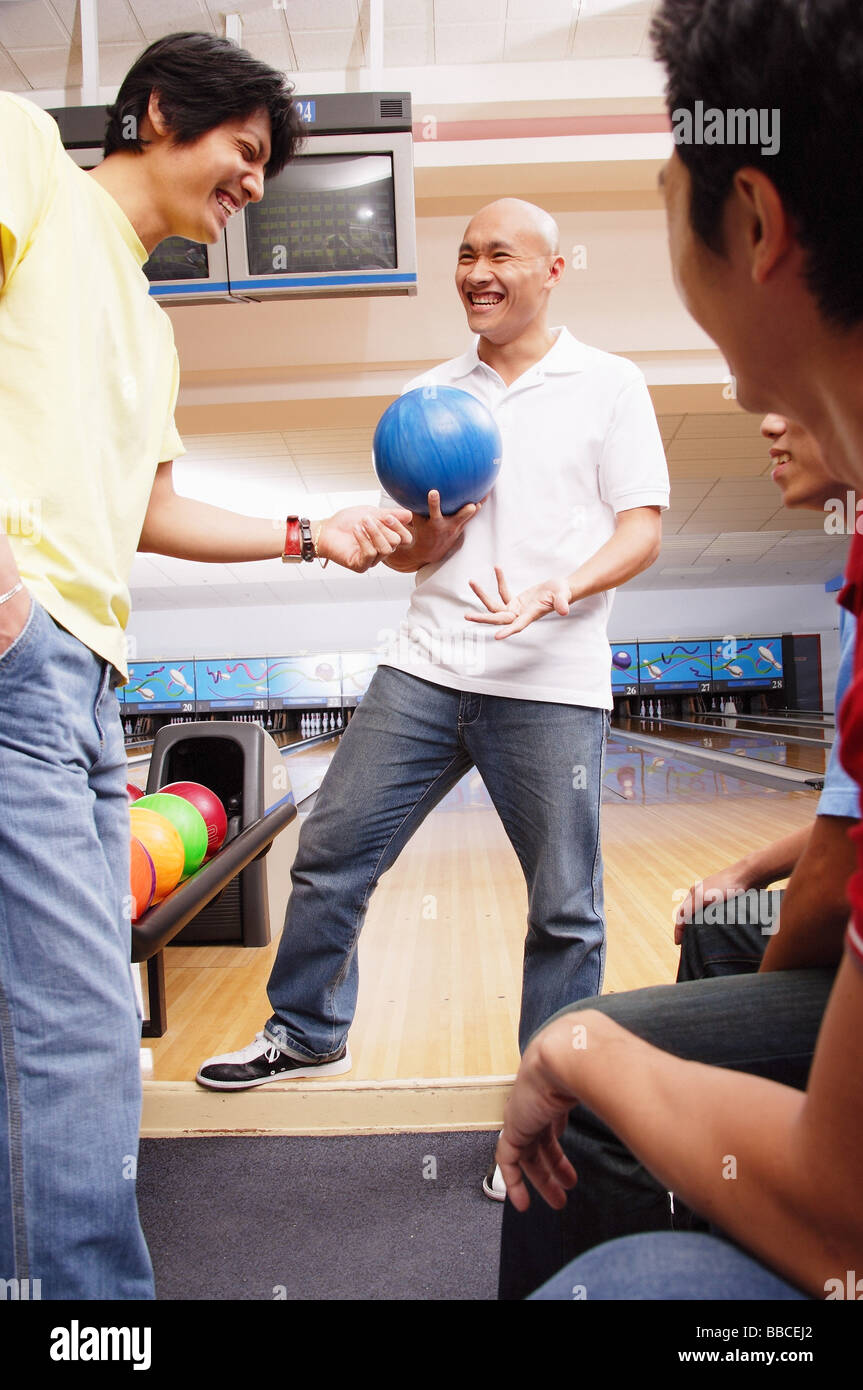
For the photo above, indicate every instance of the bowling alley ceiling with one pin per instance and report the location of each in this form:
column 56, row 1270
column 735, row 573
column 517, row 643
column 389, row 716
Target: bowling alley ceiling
column 40, row 40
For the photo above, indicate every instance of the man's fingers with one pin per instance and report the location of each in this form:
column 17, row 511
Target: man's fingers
column 433, row 502
column 464, row 515
column 502, row 586
column 520, row 621
column 378, row 538
column 548, row 1170
column 516, row 1187
column 366, row 545
column 395, row 524
column 492, row 604
column 495, row 618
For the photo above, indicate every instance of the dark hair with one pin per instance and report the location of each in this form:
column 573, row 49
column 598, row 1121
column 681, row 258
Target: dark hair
column 803, row 58
column 203, row 81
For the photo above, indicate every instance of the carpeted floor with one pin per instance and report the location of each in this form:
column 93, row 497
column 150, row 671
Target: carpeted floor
column 379, row 1217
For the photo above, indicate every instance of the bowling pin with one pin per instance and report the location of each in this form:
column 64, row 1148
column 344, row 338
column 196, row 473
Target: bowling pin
column 766, row 655
column 643, row 710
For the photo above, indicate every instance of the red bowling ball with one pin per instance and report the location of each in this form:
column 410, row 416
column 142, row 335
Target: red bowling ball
column 134, row 793
column 210, row 808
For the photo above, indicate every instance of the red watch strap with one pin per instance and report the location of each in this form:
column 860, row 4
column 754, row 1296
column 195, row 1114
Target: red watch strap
column 293, row 539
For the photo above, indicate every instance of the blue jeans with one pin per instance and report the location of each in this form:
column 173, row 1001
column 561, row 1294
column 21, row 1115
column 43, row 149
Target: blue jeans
column 70, row 1089
column 668, row 1267
column 764, row 1024
column 407, row 745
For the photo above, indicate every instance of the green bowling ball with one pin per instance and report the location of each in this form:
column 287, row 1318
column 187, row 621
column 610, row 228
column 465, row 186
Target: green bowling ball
column 188, row 821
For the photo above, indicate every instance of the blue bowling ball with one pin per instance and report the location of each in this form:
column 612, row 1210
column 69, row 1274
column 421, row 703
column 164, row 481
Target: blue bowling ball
column 437, row 437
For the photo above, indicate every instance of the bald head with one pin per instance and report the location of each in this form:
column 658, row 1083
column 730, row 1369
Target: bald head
column 520, row 219
column 508, row 265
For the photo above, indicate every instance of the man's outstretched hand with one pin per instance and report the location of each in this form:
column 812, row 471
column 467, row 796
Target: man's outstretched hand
column 513, row 615
column 358, row 537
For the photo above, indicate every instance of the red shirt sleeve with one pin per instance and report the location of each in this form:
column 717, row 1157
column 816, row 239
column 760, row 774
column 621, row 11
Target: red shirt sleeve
column 851, row 749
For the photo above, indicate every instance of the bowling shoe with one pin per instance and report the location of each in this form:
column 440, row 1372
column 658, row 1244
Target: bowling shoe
column 493, row 1184
column 261, row 1062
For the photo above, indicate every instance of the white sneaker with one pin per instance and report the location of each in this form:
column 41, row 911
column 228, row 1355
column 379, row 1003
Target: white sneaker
column 493, row 1184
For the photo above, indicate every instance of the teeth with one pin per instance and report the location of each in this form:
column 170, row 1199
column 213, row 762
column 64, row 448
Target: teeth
column 486, row 299
column 782, row 458
column 229, row 207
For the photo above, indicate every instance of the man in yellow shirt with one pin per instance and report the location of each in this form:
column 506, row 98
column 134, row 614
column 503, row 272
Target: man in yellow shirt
column 88, row 384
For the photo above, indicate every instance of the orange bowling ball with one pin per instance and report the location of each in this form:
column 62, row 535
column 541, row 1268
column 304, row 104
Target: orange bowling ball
column 163, row 844
column 142, row 879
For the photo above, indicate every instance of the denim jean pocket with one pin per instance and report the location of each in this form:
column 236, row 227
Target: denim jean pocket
column 22, row 641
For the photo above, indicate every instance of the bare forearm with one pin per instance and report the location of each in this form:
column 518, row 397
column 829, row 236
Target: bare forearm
column 632, row 549
column 815, row 909
column 727, row 1143
column 192, row 530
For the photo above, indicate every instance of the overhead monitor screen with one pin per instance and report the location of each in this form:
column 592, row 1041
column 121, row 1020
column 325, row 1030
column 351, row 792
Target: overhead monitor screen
column 748, row 663
column 624, row 668
column 176, row 258
column 325, row 212
column 673, row 666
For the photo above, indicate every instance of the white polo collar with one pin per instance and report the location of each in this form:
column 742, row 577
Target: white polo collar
column 567, row 355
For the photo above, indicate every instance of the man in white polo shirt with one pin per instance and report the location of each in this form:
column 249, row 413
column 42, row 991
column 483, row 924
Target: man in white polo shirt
column 574, row 513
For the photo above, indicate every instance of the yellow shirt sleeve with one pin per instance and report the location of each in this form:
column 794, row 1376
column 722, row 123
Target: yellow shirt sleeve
column 29, row 145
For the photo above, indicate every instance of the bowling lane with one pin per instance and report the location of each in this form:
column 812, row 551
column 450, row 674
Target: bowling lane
column 798, row 728
column 763, row 748
column 631, row 774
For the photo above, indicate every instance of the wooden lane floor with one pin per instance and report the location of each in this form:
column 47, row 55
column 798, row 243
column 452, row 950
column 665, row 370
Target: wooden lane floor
column 787, row 728
column 805, row 728
column 768, row 748
column 441, row 956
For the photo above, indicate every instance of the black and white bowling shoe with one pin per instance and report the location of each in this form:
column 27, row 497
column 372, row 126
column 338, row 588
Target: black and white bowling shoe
column 261, row 1062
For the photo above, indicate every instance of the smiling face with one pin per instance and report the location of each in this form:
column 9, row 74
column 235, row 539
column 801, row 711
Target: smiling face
column 203, row 184
column 507, row 265
column 799, row 470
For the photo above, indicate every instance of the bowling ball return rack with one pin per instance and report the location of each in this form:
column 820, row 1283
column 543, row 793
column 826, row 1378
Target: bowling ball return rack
column 158, row 927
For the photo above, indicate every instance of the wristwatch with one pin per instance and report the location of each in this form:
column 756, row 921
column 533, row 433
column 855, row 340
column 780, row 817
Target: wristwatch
column 298, row 540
